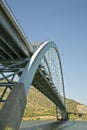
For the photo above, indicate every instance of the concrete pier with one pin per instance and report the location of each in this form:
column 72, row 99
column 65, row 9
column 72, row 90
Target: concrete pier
column 13, row 109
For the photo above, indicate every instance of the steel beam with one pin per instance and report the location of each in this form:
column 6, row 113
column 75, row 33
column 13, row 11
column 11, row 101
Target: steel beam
column 11, row 25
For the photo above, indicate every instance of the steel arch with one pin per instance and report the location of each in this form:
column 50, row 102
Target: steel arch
column 31, row 68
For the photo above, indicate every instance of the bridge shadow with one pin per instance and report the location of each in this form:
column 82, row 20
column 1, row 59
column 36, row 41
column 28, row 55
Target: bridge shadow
column 66, row 124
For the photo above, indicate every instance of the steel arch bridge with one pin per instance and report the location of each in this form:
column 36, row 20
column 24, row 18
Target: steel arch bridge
column 23, row 64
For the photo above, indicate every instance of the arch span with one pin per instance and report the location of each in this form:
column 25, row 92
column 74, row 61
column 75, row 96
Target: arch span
column 34, row 62
column 31, row 68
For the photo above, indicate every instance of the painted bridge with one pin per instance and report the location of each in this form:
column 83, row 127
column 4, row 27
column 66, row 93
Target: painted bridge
column 23, row 64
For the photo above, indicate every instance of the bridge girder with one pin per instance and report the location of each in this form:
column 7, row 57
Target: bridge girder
column 12, row 34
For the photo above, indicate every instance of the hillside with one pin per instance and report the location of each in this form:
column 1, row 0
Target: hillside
column 38, row 107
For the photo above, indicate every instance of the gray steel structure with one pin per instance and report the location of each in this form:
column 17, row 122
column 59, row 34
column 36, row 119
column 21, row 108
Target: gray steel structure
column 36, row 64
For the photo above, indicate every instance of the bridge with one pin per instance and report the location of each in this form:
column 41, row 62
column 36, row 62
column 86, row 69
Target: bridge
column 23, row 64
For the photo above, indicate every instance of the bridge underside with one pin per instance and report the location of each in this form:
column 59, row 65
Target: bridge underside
column 8, row 48
column 16, row 54
column 46, row 88
column 15, row 46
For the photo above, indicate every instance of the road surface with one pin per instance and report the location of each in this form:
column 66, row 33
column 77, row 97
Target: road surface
column 67, row 125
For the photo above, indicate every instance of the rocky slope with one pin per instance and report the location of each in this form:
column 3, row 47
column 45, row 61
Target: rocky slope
column 40, row 106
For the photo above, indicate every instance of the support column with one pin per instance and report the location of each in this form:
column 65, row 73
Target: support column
column 13, row 109
column 64, row 115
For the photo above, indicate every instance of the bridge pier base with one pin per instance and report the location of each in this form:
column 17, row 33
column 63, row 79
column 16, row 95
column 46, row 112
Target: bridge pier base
column 13, row 109
column 64, row 115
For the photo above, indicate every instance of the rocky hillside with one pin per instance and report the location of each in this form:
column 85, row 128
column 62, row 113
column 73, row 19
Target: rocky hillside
column 40, row 106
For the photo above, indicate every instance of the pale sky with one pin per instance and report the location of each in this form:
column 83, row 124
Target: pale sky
column 65, row 23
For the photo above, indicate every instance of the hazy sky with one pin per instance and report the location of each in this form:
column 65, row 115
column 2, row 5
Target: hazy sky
column 65, row 23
